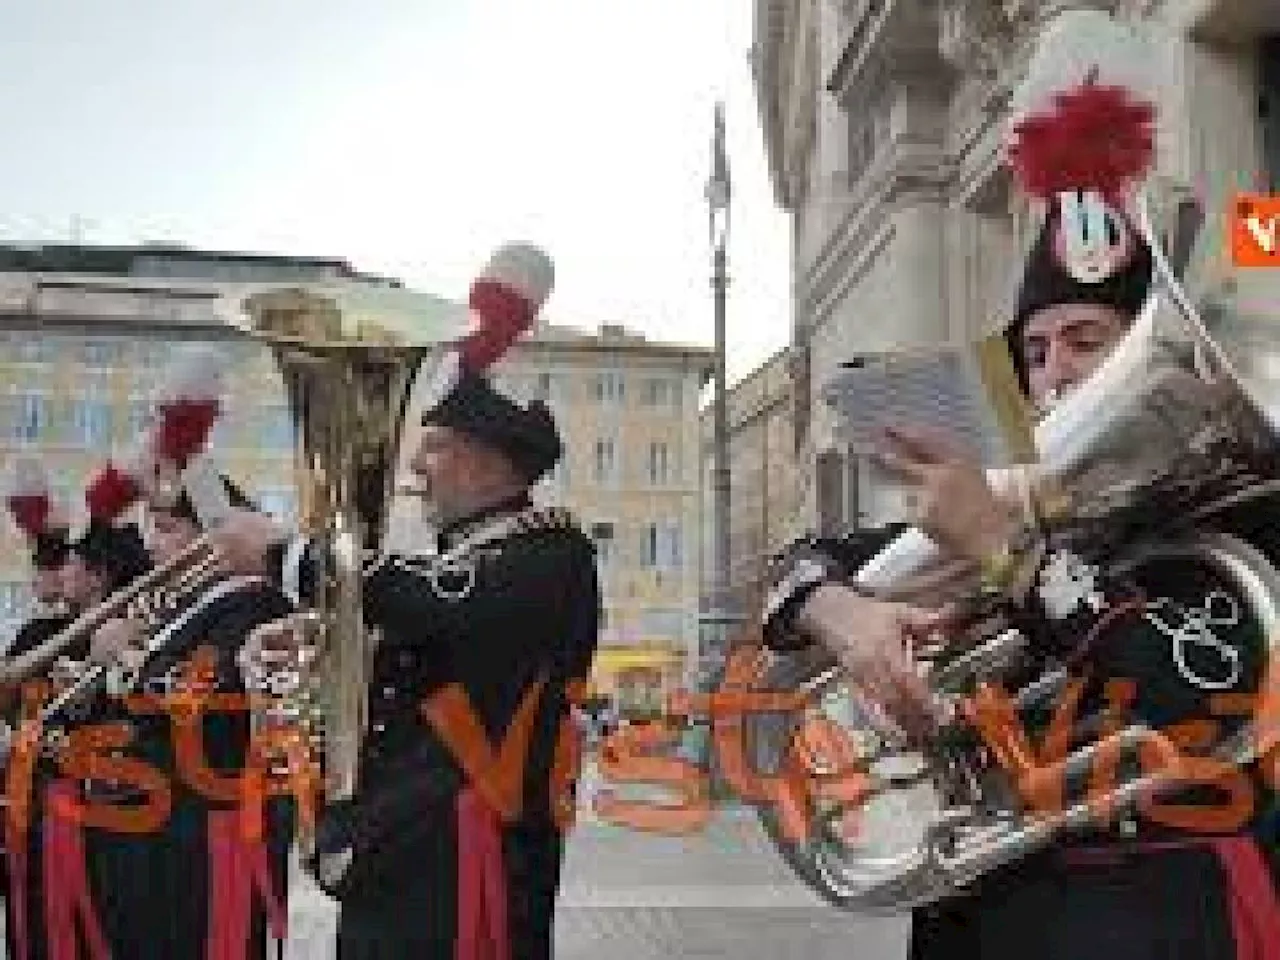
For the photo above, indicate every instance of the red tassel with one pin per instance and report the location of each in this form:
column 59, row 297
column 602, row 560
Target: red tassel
column 238, row 868
column 66, row 883
column 15, row 843
column 1097, row 138
column 1255, row 908
column 31, row 512
column 184, row 428
column 504, row 316
column 483, row 933
column 111, row 493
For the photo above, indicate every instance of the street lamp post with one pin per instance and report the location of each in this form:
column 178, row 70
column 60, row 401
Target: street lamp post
column 719, row 618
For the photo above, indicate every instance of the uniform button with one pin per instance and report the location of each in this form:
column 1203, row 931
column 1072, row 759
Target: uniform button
column 407, row 659
column 389, row 692
column 379, row 728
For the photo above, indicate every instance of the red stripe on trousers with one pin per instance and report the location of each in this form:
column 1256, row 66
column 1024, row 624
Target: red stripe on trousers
column 482, row 882
column 238, row 867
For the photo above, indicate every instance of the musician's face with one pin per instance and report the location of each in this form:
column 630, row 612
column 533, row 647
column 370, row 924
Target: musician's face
column 457, row 474
column 445, row 465
column 168, row 535
column 1065, row 343
column 46, row 584
column 80, row 585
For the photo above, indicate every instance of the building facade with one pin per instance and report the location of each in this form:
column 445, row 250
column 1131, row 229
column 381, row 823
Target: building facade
column 883, row 122
column 86, row 334
column 763, row 501
column 627, row 409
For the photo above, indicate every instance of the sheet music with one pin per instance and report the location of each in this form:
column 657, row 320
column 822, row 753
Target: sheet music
column 941, row 389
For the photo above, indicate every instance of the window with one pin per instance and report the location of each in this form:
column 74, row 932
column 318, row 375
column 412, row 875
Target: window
column 659, row 464
column 606, row 460
column 672, row 554
column 100, row 353
column 607, row 388
column 13, row 601
column 551, row 388
column 602, row 536
column 543, row 390
column 1269, row 111
column 662, row 393
column 662, row 546
column 30, row 416
column 138, row 415
column 33, row 348
column 650, row 538
column 91, row 421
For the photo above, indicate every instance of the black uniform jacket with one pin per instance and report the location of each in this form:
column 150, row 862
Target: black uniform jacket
column 151, row 893
column 1168, row 637
column 518, row 610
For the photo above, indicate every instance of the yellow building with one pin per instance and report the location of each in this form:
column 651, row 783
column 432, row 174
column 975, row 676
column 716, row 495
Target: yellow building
column 628, row 410
column 86, row 333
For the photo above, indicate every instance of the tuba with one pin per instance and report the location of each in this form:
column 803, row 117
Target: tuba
column 1148, row 466
column 348, row 358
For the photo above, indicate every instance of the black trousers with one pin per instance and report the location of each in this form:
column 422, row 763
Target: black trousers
column 411, row 914
column 1166, row 905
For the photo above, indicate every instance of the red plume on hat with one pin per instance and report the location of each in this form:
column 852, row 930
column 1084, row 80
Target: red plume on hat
column 1082, row 137
column 187, row 407
column 1096, row 138
column 30, row 501
column 504, row 300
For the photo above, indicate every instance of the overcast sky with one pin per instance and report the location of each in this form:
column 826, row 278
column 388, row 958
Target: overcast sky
column 409, row 136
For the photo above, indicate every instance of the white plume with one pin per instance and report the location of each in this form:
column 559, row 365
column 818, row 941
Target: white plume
column 1077, row 42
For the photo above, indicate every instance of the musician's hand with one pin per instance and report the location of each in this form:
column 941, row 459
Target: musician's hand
column 954, row 503
column 875, row 641
column 113, row 641
column 243, row 540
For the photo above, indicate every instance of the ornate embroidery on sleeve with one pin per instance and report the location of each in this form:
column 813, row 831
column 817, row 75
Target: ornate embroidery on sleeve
column 1188, row 627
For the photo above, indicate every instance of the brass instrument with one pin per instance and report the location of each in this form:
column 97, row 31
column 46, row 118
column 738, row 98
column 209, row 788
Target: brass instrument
column 131, row 601
column 150, row 599
column 1169, row 428
column 348, row 357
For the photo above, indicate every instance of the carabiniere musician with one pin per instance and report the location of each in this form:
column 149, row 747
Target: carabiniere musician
column 199, row 885
column 53, row 906
column 506, row 610
column 47, row 532
column 1134, row 887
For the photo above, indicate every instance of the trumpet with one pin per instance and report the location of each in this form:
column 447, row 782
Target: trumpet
column 150, row 599
column 142, row 599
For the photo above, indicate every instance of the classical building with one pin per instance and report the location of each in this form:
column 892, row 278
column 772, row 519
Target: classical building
column 85, row 334
column 628, row 409
column 882, row 121
column 763, row 501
